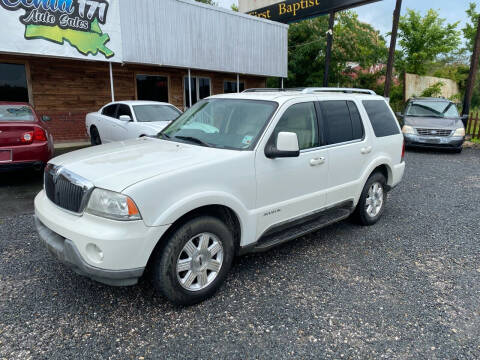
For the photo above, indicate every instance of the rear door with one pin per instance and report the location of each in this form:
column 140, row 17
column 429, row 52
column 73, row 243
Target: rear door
column 350, row 149
column 106, row 119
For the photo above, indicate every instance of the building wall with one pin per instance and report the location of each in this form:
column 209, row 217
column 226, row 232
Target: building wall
column 415, row 85
column 66, row 90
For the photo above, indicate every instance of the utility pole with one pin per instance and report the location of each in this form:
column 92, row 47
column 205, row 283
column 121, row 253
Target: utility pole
column 473, row 73
column 393, row 44
column 328, row 55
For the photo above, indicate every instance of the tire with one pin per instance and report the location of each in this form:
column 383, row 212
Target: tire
column 362, row 213
column 196, row 262
column 95, row 136
column 458, row 151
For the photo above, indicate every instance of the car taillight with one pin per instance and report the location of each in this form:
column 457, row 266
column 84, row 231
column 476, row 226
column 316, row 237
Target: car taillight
column 27, row 137
column 403, row 151
column 39, row 135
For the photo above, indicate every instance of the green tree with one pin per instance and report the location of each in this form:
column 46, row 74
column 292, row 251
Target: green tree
column 425, row 39
column 353, row 41
column 470, row 30
column 234, row 7
column 209, row 2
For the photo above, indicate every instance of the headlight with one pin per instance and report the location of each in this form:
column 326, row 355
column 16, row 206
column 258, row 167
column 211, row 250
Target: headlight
column 408, row 129
column 459, row 132
column 112, row 205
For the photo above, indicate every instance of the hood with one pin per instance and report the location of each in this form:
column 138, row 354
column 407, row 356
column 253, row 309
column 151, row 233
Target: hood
column 433, row 123
column 153, row 127
column 118, row 165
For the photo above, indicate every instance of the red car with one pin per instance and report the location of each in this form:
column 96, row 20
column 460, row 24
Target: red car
column 24, row 138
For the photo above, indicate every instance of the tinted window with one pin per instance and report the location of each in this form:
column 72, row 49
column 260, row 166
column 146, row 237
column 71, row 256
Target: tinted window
column 13, row 82
column 357, row 125
column 124, row 110
column 148, row 113
column 152, row 87
column 231, row 87
column 338, row 125
column 109, row 110
column 201, row 88
column 381, row 117
column 302, row 120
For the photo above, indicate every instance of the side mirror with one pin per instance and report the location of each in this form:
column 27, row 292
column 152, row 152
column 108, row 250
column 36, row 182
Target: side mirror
column 399, row 114
column 125, row 118
column 464, row 119
column 287, row 146
column 46, row 118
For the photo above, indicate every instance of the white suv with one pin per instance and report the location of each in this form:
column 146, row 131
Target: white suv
column 235, row 173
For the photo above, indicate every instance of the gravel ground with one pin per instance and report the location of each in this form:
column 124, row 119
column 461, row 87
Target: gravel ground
column 406, row 288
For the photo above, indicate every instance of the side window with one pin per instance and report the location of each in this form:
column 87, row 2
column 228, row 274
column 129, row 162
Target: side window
column 357, row 125
column 382, row 119
column 338, row 125
column 302, row 120
column 109, row 110
column 124, row 110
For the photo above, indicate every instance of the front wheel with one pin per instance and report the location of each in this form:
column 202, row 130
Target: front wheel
column 372, row 201
column 194, row 262
column 95, row 136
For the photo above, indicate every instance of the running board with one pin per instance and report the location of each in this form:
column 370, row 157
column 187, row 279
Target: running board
column 294, row 229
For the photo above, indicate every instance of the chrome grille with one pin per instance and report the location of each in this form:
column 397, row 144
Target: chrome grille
column 65, row 189
column 434, row 132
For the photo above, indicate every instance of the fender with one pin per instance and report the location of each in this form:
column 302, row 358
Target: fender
column 195, row 201
column 382, row 159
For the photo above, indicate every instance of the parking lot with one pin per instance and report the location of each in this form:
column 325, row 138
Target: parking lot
column 407, row 287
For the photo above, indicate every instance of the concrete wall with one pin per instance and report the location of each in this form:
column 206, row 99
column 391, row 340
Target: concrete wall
column 416, row 84
column 249, row 5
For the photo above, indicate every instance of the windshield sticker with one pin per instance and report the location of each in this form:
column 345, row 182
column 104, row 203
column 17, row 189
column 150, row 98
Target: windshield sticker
column 247, row 140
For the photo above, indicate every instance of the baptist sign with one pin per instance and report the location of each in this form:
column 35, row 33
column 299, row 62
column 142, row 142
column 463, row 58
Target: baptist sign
column 64, row 28
column 295, row 10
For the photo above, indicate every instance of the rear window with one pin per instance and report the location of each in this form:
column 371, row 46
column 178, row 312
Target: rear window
column 342, row 121
column 381, row 117
column 16, row 113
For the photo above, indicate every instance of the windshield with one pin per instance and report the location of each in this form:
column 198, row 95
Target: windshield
column 16, row 113
column 438, row 109
column 223, row 123
column 149, row 113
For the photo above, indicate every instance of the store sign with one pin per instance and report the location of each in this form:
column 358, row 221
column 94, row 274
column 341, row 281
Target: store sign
column 81, row 26
column 295, row 10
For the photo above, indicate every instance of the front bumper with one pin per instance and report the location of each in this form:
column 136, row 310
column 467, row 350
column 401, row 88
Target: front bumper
column 108, row 251
column 67, row 253
column 439, row 142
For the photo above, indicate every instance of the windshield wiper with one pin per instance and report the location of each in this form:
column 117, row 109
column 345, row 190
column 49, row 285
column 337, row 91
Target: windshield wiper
column 162, row 135
column 194, row 140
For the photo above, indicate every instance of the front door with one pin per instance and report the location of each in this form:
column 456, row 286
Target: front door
column 291, row 187
column 120, row 130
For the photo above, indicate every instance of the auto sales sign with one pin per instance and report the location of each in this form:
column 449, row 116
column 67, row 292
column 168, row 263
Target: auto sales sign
column 64, row 28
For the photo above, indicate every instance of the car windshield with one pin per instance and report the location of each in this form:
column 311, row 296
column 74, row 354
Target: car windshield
column 222, row 123
column 16, row 113
column 438, row 109
column 149, row 113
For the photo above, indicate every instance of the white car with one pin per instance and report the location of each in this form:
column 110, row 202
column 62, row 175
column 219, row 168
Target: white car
column 128, row 120
column 235, row 173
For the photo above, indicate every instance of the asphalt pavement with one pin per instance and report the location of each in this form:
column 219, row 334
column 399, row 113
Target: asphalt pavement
column 406, row 288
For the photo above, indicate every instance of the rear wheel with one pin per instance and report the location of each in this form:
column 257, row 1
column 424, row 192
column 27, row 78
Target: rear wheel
column 372, row 201
column 95, row 136
column 194, row 262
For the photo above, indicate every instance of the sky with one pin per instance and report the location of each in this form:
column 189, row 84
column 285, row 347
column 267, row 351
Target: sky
column 379, row 14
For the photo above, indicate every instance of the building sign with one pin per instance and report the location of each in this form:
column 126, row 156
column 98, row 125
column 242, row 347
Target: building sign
column 295, row 10
column 74, row 28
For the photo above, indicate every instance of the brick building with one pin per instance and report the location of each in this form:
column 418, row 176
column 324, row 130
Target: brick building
column 68, row 60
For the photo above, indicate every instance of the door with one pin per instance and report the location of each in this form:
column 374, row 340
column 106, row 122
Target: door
column 104, row 123
column 120, row 129
column 289, row 188
column 349, row 149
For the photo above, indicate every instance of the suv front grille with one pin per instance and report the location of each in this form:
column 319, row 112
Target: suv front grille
column 434, row 132
column 66, row 190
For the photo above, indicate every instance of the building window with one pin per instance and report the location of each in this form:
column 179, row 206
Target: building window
column 231, row 87
column 13, row 82
column 152, row 87
column 201, row 88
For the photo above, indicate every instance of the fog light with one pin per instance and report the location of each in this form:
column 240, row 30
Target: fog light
column 94, row 253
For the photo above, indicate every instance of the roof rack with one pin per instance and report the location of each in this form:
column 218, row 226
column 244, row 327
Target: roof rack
column 311, row 90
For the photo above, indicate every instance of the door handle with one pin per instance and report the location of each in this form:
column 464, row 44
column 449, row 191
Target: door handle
column 317, row 161
column 366, row 150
